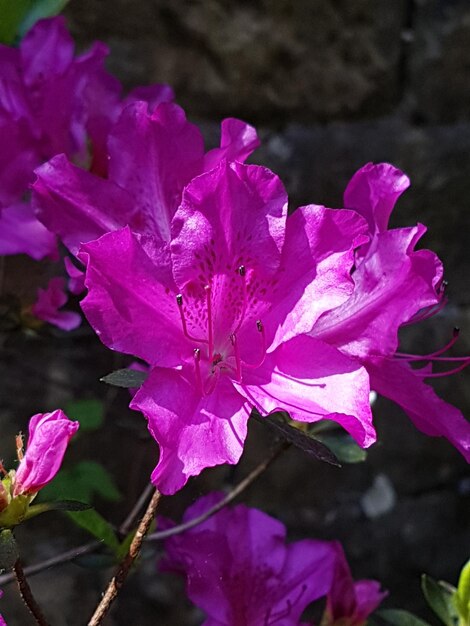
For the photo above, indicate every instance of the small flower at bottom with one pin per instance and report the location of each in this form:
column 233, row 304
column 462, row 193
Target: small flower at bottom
column 241, row 572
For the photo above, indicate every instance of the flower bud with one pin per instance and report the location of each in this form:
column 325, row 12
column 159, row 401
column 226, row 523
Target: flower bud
column 49, row 435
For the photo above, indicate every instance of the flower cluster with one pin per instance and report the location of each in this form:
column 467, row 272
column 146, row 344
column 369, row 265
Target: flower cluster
column 240, row 571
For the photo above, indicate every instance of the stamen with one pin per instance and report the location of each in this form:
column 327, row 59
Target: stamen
column 260, row 327
column 456, row 370
column 179, row 302
column 238, row 363
column 208, row 291
column 432, row 356
column 242, row 273
column 197, row 367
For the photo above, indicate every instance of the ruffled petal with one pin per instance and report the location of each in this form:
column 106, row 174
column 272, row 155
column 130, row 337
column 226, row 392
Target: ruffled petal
column 237, row 141
column 193, row 432
column 75, row 205
column 48, row 303
column 313, row 381
column 373, row 192
column 129, row 307
column 427, row 411
column 153, row 156
column 391, row 283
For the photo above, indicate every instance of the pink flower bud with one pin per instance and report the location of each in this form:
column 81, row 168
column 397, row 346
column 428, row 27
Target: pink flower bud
column 49, row 435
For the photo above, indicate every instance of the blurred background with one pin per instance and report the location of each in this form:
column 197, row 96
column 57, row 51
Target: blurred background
column 330, row 85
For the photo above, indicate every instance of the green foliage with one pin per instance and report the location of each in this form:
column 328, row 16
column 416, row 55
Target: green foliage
column 343, row 446
column 15, row 512
column 126, row 378
column 90, row 413
column 82, row 482
column 397, row 617
column 462, row 595
column 39, row 10
column 18, row 16
column 58, row 505
column 439, row 596
column 97, row 526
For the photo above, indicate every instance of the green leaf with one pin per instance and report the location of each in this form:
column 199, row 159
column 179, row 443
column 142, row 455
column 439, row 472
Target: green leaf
column 97, row 526
column 343, row 446
column 440, row 599
column 90, row 413
column 82, row 482
column 12, row 13
column 462, row 595
column 39, row 10
column 59, row 505
column 397, row 617
column 298, row 438
column 126, row 378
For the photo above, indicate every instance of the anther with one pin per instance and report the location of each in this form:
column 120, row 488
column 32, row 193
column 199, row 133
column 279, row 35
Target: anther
column 260, row 328
column 197, row 368
column 242, row 270
column 179, row 299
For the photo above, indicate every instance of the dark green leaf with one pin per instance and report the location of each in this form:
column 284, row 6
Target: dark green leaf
column 39, row 10
column 343, row 446
column 301, row 440
column 59, row 505
column 440, row 599
column 397, row 617
column 125, row 378
column 96, row 525
column 12, row 13
column 90, row 413
column 82, row 482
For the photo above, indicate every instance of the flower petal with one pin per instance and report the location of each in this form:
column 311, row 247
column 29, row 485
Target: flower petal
column 391, row 283
column 75, row 205
column 312, row 381
column 373, row 192
column 237, row 141
column 22, row 233
column 128, row 305
column 193, row 432
column 427, row 411
column 48, row 303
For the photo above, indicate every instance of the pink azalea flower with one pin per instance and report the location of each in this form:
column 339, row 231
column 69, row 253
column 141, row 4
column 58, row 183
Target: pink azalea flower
column 241, row 572
column 48, row 303
column 222, row 320
column 395, row 285
column 153, row 154
column 51, row 102
column 350, row 603
column 49, row 435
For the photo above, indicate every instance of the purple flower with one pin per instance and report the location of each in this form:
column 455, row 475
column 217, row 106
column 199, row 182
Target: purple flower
column 48, row 303
column 2, row 621
column 220, row 315
column 395, row 285
column 51, row 102
column 350, row 603
column 49, row 435
column 241, row 572
column 153, row 154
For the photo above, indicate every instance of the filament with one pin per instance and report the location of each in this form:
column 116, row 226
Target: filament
column 208, row 291
column 179, row 302
column 260, row 328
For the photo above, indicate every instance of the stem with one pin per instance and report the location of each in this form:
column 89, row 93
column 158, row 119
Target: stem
column 236, row 491
column 27, row 594
column 123, row 570
column 127, row 524
column 70, row 555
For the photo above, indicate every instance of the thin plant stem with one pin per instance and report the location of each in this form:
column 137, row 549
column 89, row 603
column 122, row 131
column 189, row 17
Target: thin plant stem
column 128, row 523
column 236, row 491
column 27, row 594
column 123, row 570
column 70, row 555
